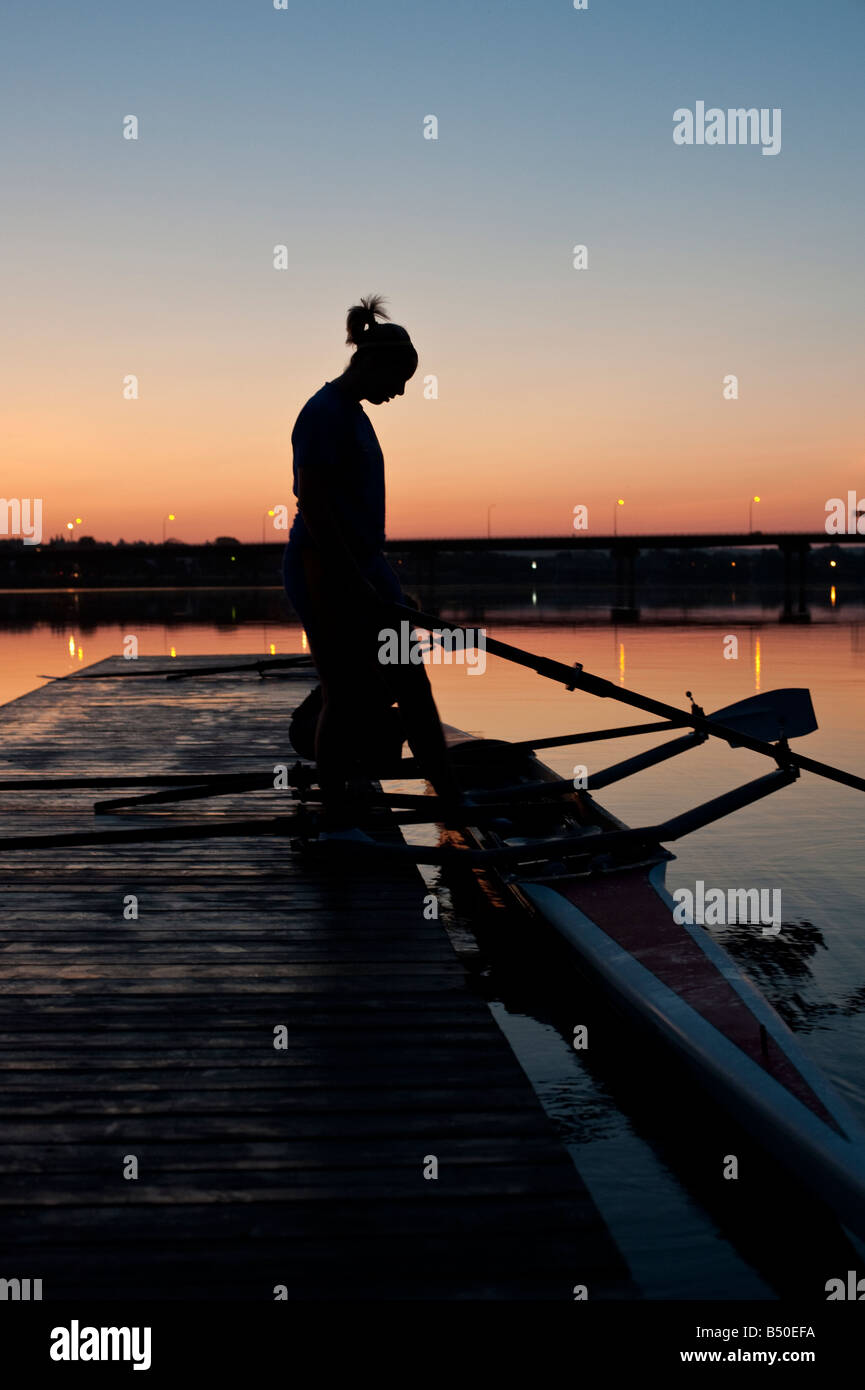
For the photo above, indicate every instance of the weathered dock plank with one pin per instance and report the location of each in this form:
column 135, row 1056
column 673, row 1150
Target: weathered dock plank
column 148, row 1041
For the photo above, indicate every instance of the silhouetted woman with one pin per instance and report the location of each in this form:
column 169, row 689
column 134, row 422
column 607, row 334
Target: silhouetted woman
column 337, row 577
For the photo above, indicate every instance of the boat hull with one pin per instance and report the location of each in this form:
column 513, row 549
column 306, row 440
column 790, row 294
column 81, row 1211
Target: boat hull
column 675, row 978
column 827, row 1154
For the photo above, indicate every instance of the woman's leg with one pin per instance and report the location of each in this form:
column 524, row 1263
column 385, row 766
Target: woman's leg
column 423, row 730
column 411, row 688
column 303, row 579
column 343, row 646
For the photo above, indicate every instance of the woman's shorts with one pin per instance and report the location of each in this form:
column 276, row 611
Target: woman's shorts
column 342, row 641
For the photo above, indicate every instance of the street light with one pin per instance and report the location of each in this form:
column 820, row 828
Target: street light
column 751, row 512
column 270, row 512
column 489, row 511
column 619, row 502
column 170, row 517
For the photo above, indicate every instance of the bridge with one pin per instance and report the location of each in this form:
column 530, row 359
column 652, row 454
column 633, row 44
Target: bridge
column 794, row 546
column 232, row 563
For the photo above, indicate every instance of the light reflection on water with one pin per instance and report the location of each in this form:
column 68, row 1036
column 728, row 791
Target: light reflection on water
column 806, row 840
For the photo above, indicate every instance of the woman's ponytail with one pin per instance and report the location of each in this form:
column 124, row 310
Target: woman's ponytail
column 362, row 317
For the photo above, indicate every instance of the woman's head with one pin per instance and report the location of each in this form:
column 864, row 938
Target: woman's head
column 384, row 358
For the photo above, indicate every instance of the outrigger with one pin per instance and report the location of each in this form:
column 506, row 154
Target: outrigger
column 600, row 885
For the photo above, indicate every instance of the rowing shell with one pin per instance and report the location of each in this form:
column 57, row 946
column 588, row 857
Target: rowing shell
column 618, row 918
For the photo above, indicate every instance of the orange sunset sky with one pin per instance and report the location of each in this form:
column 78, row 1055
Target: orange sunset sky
column 556, row 386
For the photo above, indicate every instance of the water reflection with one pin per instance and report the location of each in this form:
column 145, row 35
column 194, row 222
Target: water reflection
column 644, row 1137
column 789, row 963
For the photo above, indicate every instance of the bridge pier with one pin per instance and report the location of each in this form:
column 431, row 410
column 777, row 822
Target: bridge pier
column 425, row 567
column 797, row 583
column 625, row 609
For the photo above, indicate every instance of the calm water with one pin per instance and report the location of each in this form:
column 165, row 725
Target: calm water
column 644, row 1140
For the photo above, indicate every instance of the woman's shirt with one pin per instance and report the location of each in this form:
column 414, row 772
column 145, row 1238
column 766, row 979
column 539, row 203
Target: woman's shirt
column 334, row 435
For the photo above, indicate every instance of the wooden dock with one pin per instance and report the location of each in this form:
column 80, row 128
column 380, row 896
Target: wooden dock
column 146, row 1044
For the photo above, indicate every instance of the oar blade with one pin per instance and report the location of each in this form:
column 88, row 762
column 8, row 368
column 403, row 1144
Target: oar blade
column 776, row 714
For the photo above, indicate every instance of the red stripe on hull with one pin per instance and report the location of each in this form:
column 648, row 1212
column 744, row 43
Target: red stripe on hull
column 628, row 909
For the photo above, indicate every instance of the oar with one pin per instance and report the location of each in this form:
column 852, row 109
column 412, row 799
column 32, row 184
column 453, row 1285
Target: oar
column 209, row 785
column 297, row 824
column 579, row 844
column 145, row 834
column 201, row 782
column 776, row 714
column 271, row 664
column 179, row 673
column 595, row 735
column 42, row 784
column 299, row 775
column 575, row 678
